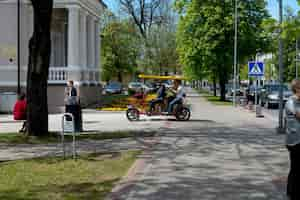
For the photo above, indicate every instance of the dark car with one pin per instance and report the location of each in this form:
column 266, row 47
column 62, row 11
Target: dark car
column 270, row 95
column 113, row 88
column 251, row 92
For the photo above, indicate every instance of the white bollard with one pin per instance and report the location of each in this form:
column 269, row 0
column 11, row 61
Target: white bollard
column 68, row 128
column 258, row 111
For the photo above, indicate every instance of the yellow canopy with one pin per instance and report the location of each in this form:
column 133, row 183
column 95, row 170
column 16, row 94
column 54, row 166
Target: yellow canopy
column 143, row 76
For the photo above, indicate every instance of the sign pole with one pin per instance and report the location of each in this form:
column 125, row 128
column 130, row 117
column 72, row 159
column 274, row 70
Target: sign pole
column 19, row 50
column 256, row 85
column 258, row 105
column 256, row 69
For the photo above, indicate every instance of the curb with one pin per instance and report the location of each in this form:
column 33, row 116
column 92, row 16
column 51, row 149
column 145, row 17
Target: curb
column 125, row 185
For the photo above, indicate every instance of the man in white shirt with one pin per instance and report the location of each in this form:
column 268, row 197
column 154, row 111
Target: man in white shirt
column 178, row 89
column 293, row 141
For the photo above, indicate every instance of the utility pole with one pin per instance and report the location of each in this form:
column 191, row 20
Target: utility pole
column 18, row 46
column 280, row 128
column 235, row 53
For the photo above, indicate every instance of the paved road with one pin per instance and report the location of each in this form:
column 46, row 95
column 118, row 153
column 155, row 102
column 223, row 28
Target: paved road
column 223, row 154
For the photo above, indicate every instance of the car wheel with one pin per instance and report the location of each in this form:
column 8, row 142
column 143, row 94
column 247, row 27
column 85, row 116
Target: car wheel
column 133, row 114
column 183, row 114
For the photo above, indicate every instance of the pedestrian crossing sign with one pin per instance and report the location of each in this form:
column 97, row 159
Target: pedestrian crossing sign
column 255, row 69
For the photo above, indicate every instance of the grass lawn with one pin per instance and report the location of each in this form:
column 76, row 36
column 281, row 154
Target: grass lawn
column 90, row 177
column 119, row 101
column 214, row 100
column 16, row 138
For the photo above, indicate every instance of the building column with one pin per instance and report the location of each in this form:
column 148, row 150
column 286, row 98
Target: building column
column 73, row 44
column 73, row 37
column 91, row 46
column 83, row 40
column 97, row 48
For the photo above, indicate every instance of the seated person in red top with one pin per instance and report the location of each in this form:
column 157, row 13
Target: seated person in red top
column 20, row 110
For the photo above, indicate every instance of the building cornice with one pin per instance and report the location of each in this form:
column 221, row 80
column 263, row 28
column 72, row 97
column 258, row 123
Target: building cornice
column 94, row 7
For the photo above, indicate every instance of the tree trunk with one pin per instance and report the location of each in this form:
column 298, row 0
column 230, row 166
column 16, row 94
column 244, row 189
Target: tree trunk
column 120, row 79
column 215, row 86
column 222, row 81
column 38, row 67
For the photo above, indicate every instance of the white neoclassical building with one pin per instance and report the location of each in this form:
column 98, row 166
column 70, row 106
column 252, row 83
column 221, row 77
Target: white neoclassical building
column 75, row 47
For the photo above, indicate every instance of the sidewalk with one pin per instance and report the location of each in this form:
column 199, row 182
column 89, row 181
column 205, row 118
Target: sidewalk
column 225, row 153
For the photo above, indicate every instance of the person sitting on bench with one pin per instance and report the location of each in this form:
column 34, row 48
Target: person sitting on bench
column 19, row 111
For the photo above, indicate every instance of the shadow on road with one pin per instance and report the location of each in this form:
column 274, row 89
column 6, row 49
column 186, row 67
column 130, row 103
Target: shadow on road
column 212, row 163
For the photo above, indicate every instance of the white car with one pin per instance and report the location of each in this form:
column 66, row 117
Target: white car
column 134, row 87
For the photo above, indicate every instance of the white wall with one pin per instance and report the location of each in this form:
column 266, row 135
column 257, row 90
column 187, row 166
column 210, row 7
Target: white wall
column 8, row 33
column 8, row 41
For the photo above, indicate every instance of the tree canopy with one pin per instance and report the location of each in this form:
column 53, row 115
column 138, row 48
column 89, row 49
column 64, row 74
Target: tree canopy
column 205, row 36
column 120, row 50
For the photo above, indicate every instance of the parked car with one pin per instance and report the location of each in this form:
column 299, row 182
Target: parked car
column 113, row 88
column 230, row 90
column 134, row 87
column 239, row 92
column 152, row 86
column 270, row 95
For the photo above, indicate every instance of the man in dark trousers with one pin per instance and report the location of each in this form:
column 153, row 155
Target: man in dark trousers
column 73, row 104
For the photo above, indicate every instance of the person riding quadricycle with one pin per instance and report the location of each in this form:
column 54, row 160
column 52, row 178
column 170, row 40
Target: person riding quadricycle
column 168, row 101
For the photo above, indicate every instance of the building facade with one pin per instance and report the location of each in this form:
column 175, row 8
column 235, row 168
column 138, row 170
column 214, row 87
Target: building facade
column 75, row 53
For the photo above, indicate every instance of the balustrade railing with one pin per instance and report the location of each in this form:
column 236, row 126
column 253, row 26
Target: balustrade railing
column 58, row 75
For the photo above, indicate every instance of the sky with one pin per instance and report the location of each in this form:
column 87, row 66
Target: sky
column 272, row 5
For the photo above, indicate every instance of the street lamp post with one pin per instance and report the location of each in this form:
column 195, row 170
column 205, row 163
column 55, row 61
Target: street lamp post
column 18, row 44
column 235, row 52
column 296, row 62
column 280, row 45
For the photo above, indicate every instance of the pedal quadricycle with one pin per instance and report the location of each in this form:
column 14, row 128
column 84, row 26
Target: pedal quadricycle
column 169, row 100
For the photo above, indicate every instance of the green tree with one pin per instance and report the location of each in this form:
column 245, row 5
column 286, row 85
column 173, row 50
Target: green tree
column 290, row 34
column 120, row 50
column 155, row 21
column 206, row 36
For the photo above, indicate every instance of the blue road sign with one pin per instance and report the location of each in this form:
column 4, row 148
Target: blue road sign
column 256, row 69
